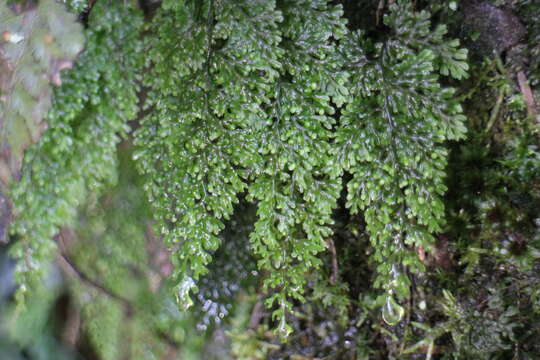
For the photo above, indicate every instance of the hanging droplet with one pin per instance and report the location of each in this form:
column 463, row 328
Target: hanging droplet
column 183, row 290
column 392, row 312
column 394, row 273
column 284, row 329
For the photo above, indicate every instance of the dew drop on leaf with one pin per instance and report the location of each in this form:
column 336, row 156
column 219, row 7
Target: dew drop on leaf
column 184, row 289
column 392, row 312
column 284, row 329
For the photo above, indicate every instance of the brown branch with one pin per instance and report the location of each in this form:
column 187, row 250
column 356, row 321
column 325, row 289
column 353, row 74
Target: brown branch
column 65, row 239
column 256, row 314
column 335, row 269
column 496, row 109
column 71, row 269
column 379, row 12
column 527, row 94
column 70, row 334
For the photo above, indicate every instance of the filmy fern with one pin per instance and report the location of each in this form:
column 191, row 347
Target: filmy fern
column 288, row 159
column 298, row 188
column 35, row 46
column 208, row 85
column 391, row 140
column 241, row 100
column 77, row 154
column 247, row 103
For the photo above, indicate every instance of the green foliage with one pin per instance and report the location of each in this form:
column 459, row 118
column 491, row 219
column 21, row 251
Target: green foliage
column 391, row 139
column 206, row 100
column 299, row 184
column 35, row 46
column 28, row 325
column 104, row 317
column 76, row 6
column 77, row 155
column 120, row 280
column 492, row 215
column 528, row 9
column 244, row 102
column 217, row 124
column 283, row 159
column 474, row 334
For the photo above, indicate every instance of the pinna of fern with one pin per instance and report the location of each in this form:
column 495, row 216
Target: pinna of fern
column 77, row 154
column 34, row 48
column 391, row 139
column 237, row 112
column 209, row 75
column 241, row 100
column 300, row 184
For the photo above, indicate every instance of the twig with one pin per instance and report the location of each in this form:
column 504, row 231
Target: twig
column 256, row 314
column 70, row 334
column 335, row 270
column 70, row 268
column 380, row 9
column 496, row 109
column 65, row 239
column 527, row 95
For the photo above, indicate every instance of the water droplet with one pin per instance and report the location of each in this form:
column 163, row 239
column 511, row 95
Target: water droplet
column 184, row 289
column 392, row 312
column 284, row 329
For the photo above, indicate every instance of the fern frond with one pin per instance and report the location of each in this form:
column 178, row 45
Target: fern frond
column 209, row 79
column 35, row 45
column 392, row 138
column 299, row 184
column 77, row 155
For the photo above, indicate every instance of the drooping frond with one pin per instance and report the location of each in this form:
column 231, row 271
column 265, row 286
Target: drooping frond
column 208, row 89
column 299, row 182
column 77, row 155
column 392, row 135
column 36, row 43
